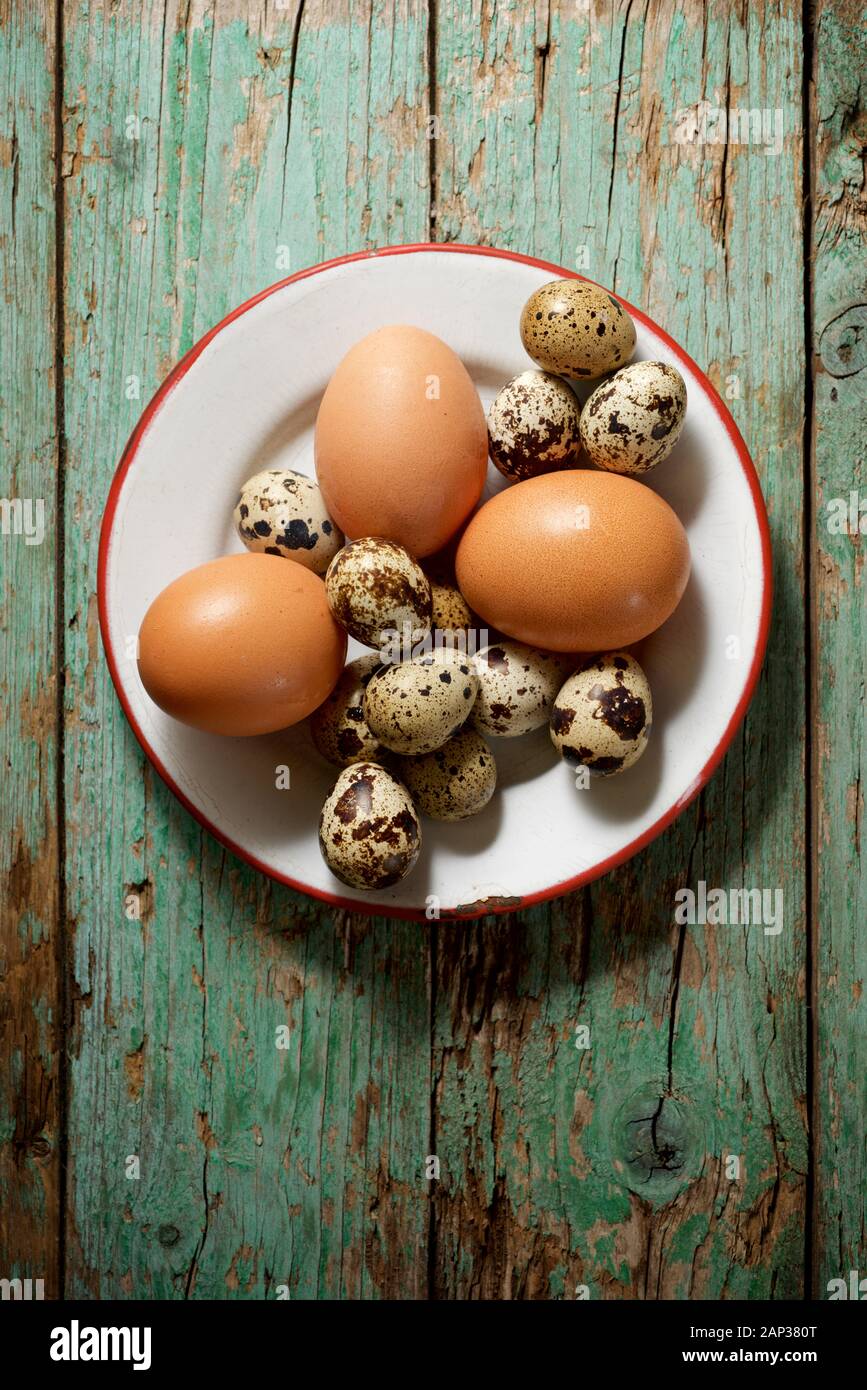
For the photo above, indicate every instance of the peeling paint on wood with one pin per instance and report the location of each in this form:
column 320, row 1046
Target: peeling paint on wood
column 566, row 146
column 30, row 937
column 192, row 183
column 255, row 1082
column 839, row 252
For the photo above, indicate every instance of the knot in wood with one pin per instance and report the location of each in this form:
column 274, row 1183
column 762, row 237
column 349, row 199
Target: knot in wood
column 656, row 1143
column 843, row 344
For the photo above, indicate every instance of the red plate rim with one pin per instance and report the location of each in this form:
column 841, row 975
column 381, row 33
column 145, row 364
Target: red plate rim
column 490, row 905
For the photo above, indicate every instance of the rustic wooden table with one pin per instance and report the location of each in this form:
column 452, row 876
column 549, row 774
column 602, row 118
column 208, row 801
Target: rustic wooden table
column 158, row 164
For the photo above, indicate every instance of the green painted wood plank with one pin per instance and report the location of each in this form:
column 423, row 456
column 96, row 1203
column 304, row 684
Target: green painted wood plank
column 30, row 950
column 259, row 1167
column 557, row 135
column 840, row 636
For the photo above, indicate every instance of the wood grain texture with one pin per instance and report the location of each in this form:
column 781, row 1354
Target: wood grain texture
column 193, row 181
column 839, row 252
column 30, row 937
column 558, row 134
column 255, row 1081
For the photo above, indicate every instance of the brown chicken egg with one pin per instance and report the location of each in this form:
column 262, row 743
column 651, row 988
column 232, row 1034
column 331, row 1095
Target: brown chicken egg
column 242, row 645
column 574, row 561
column 401, row 440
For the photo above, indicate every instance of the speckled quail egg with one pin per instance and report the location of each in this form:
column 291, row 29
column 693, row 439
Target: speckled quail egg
column 533, row 426
column 450, row 611
column 375, row 590
column 602, row 717
column 338, row 727
column 416, row 706
column 283, row 513
column 369, row 832
column 517, row 688
column 577, row 329
column 454, row 781
column 633, row 420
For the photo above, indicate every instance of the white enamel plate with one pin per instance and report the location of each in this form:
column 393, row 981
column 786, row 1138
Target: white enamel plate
column 245, row 398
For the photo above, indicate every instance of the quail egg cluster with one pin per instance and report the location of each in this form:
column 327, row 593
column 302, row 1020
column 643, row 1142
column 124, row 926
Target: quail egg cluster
column 410, row 723
column 398, row 719
column 575, row 330
column 411, row 728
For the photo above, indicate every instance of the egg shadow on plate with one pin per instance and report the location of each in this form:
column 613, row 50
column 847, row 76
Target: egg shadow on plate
column 523, row 758
column 489, row 378
column 628, row 794
column 776, row 713
column 465, row 837
column 288, row 444
column 674, row 655
column 684, row 476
